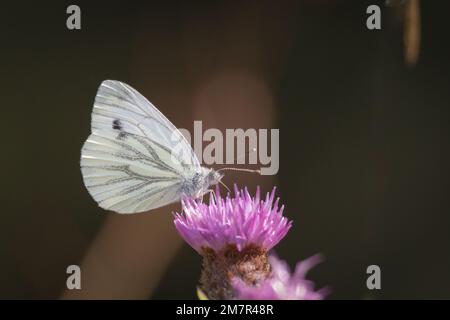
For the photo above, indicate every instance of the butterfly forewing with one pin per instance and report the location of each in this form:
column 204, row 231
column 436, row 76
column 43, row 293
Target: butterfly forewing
column 135, row 159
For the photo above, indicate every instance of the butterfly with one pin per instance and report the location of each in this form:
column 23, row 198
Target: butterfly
column 135, row 159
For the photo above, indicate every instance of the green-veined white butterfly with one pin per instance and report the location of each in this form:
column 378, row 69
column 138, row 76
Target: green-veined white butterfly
column 135, row 159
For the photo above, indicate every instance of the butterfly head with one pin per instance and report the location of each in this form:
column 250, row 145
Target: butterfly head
column 212, row 177
column 203, row 181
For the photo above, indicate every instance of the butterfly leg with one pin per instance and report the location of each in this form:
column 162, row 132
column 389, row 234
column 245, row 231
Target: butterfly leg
column 211, row 192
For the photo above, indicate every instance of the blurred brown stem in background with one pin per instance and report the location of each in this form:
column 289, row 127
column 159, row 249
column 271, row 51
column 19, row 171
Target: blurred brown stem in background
column 412, row 32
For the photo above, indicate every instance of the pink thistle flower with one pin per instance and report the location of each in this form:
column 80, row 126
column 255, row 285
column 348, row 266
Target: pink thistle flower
column 239, row 220
column 233, row 235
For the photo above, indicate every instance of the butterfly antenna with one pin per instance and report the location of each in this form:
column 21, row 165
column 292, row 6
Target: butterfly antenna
column 241, row 169
column 211, row 192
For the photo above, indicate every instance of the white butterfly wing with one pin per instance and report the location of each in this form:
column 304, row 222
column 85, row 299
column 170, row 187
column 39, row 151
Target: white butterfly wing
column 135, row 159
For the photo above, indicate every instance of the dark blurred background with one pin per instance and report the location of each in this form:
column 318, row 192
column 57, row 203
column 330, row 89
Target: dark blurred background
column 364, row 134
